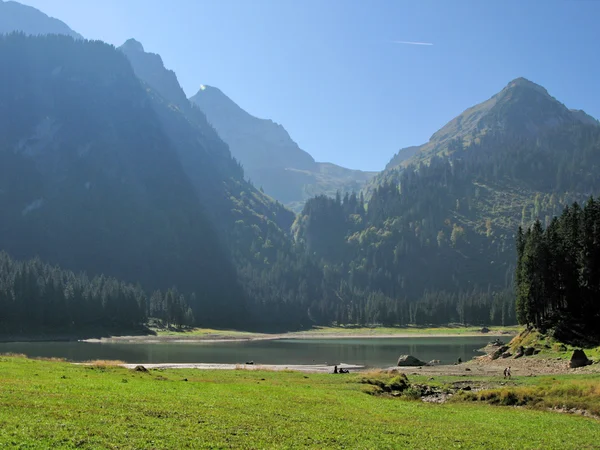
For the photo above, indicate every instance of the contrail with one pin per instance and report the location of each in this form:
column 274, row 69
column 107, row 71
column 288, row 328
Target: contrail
column 411, row 43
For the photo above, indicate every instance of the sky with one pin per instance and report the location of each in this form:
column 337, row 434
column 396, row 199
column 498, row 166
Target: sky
column 340, row 76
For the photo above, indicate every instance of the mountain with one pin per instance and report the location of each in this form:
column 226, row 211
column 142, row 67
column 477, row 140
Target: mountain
column 403, row 154
column 271, row 159
column 17, row 17
column 89, row 179
column 101, row 173
column 437, row 238
column 522, row 108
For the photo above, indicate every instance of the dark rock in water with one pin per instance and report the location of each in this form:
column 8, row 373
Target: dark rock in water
column 485, row 330
column 250, row 362
column 140, row 369
column 579, row 359
column 529, row 351
column 499, row 352
column 408, row 360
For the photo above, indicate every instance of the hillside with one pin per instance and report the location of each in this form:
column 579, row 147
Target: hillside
column 17, row 17
column 99, row 188
column 522, row 109
column 137, row 189
column 442, row 229
column 271, row 159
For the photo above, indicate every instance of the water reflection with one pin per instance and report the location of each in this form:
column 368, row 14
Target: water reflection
column 374, row 352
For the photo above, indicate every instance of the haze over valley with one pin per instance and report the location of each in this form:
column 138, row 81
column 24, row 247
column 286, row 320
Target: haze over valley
column 140, row 220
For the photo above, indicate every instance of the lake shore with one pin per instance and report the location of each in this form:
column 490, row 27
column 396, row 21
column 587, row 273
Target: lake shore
column 213, row 336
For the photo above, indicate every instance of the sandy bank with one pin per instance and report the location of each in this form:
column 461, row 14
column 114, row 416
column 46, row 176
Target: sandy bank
column 150, row 339
column 315, row 368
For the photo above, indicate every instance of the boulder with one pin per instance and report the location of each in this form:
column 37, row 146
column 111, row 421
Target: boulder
column 499, row 352
column 579, row 359
column 485, row 330
column 506, row 354
column 520, row 352
column 140, row 369
column 529, row 351
column 409, row 360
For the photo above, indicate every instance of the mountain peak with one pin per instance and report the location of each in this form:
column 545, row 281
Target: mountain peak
column 522, row 82
column 133, row 45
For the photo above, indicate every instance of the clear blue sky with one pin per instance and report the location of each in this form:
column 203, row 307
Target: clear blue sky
column 329, row 72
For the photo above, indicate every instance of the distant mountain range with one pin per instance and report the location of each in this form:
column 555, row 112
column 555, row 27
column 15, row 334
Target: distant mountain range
column 270, row 157
column 107, row 167
column 17, row 17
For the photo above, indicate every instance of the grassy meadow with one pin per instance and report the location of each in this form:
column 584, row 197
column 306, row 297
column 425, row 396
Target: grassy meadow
column 54, row 404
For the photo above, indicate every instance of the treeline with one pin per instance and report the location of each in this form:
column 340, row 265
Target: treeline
column 37, row 297
column 402, row 259
column 558, row 272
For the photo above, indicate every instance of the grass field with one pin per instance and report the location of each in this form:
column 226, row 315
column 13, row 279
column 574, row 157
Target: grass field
column 408, row 330
column 48, row 404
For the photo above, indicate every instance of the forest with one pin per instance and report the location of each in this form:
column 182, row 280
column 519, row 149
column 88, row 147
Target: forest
column 36, row 297
column 558, row 274
column 140, row 188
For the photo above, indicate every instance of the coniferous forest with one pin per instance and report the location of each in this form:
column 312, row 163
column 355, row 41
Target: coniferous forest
column 558, row 274
column 103, row 171
column 38, row 297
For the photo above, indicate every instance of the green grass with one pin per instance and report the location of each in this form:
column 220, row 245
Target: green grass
column 206, row 333
column 580, row 393
column 407, row 330
column 45, row 404
column 548, row 346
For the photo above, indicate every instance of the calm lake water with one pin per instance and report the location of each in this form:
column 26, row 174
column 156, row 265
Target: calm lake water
column 373, row 352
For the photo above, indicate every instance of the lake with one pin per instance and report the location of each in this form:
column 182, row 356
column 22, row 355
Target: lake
column 372, row 352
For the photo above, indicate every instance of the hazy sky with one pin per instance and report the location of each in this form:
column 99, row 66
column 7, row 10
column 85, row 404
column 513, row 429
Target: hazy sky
column 335, row 74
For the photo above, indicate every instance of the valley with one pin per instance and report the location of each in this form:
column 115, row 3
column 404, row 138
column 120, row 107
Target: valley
column 177, row 272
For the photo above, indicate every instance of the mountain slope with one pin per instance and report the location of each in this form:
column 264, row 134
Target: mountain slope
column 270, row 157
column 89, row 178
column 522, row 108
column 17, row 17
column 436, row 239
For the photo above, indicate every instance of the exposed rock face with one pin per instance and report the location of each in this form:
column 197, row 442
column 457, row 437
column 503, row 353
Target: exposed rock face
column 529, row 351
column 579, row 359
column 499, row 352
column 520, row 352
column 409, row 360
